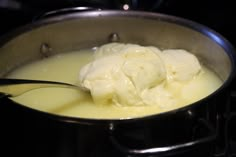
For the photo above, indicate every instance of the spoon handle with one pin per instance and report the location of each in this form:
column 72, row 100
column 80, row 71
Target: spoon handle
column 16, row 87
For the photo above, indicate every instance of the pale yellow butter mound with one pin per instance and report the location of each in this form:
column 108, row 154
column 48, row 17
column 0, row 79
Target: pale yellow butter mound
column 129, row 74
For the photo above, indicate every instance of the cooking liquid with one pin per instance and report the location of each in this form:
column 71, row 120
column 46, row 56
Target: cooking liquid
column 65, row 68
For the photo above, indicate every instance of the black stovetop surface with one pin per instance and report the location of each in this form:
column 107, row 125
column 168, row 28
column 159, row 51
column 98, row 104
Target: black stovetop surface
column 216, row 14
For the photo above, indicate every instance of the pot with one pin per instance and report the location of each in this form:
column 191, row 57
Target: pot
column 194, row 125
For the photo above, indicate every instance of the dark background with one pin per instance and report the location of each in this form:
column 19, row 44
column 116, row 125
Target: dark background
column 216, row 14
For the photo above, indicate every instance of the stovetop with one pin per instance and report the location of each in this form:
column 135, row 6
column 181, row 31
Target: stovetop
column 216, row 14
column 230, row 126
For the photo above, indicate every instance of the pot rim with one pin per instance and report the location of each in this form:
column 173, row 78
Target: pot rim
column 216, row 37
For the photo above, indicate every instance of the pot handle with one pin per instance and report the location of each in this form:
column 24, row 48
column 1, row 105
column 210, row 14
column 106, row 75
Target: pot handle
column 64, row 11
column 167, row 149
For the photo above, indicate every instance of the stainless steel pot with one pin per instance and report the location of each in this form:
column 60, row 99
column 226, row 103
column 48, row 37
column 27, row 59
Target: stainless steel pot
column 64, row 33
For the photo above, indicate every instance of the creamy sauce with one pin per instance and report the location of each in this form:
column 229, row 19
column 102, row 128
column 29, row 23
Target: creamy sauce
column 65, row 68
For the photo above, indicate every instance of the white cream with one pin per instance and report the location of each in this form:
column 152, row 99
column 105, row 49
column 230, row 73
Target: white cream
column 128, row 74
column 181, row 65
column 121, row 76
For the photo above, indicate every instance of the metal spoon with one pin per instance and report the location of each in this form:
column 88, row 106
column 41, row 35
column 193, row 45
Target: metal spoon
column 16, row 87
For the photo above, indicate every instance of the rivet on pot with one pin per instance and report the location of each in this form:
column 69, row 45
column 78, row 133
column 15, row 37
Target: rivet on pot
column 45, row 49
column 111, row 126
column 190, row 114
column 114, row 37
